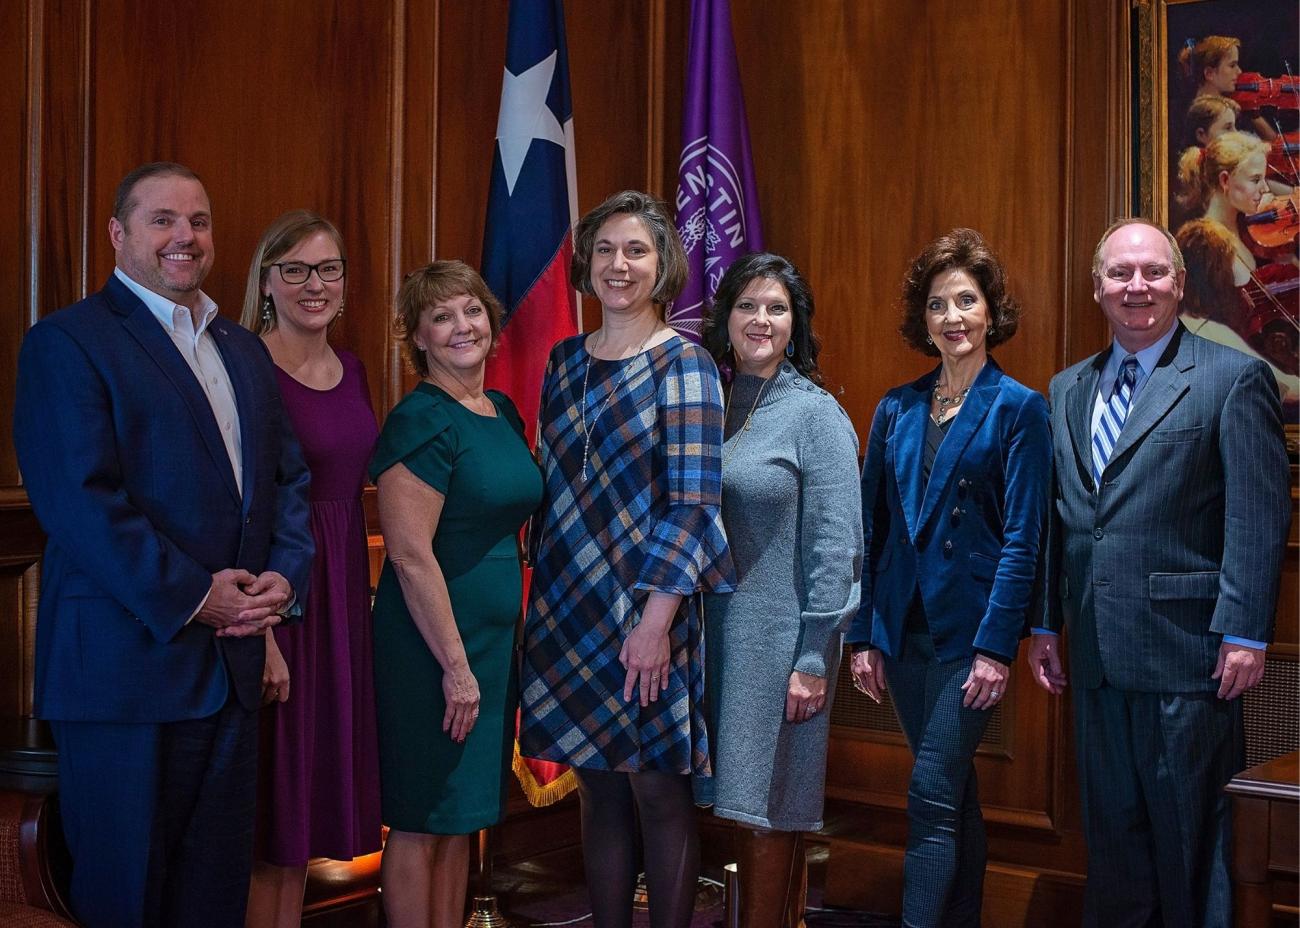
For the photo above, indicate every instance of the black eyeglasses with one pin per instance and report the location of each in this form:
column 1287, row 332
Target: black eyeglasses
column 296, row 272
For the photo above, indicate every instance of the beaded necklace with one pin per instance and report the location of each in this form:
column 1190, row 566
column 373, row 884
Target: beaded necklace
column 947, row 402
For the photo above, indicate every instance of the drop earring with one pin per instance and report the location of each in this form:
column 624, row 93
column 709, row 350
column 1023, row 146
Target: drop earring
column 789, row 349
column 267, row 314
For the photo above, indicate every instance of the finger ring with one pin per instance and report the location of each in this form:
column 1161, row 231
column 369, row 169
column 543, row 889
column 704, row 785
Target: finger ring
column 995, row 693
column 810, row 710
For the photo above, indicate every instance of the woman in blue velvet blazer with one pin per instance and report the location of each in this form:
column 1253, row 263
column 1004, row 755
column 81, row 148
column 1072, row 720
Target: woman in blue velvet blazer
column 954, row 496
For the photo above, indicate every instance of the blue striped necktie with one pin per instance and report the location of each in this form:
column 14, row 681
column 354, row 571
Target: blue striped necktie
column 1112, row 418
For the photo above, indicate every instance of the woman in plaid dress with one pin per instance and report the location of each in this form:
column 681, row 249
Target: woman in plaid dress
column 613, row 673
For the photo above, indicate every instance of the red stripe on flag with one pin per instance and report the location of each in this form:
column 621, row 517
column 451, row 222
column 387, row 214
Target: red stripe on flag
column 548, row 313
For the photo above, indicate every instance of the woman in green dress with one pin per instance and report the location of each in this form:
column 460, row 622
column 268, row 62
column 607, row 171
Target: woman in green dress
column 456, row 482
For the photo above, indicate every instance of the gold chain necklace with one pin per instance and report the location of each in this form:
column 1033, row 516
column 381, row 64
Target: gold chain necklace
column 586, row 428
column 740, row 433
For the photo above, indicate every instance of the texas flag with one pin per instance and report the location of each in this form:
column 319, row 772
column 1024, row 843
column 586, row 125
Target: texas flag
column 528, row 242
column 532, row 204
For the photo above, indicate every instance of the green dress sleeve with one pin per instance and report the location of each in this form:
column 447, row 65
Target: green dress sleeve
column 418, row 433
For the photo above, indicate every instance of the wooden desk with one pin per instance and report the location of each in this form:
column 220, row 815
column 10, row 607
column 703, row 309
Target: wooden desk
column 1265, row 839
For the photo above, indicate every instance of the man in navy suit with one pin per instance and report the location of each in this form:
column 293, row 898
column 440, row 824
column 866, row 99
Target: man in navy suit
column 1165, row 544
column 159, row 461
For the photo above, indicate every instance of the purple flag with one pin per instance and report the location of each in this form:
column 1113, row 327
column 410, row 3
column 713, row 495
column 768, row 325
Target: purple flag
column 717, row 202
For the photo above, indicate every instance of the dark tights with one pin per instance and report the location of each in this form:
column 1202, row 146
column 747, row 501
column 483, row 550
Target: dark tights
column 611, row 805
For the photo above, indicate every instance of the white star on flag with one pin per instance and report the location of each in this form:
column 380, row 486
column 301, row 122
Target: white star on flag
column 525, row 116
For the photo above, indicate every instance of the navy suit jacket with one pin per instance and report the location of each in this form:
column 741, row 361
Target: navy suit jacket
column 1184, row 543
column 969, row 538
column 129, row 476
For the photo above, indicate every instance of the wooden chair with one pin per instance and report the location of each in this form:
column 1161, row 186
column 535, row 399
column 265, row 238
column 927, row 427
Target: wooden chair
column 33, row 862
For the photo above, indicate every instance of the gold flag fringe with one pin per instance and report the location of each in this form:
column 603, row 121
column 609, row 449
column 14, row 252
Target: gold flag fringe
column 539, row 794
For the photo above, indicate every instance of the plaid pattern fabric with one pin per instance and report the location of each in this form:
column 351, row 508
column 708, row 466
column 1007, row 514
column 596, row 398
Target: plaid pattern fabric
column 646, row 519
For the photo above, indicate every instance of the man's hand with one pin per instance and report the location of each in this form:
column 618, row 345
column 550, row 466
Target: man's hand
column 268, row 581
column 1045, row 663
column 1238, row 669
column 240, row 604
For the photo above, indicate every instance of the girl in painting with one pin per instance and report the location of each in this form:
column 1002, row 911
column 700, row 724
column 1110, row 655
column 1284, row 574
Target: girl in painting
column 1229, row 296
column 1212, row 66
column 1211, row 115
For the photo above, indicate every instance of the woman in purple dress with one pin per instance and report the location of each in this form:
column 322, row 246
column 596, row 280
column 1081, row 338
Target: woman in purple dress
column 319, row 777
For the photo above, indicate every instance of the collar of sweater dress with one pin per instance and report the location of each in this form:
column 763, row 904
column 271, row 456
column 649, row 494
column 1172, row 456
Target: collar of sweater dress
column 745, row 390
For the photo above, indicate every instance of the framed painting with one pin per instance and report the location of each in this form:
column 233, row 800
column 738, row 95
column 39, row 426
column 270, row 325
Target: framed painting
column 1215, row 149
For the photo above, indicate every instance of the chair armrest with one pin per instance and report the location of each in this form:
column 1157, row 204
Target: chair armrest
column 34, row 861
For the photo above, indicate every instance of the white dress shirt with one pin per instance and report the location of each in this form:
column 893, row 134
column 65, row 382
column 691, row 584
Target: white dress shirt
column 199, row 349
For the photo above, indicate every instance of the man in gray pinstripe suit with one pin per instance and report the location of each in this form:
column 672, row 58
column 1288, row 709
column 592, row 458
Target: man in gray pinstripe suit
column 1167, row 533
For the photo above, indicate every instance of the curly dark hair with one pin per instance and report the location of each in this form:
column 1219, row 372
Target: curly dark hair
column 807, row 346
column 960, row 249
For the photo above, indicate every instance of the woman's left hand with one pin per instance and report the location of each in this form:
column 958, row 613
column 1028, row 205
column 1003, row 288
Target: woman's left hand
column 804, row 697
column 645, row 654
column 986, row 684
column 275, row 673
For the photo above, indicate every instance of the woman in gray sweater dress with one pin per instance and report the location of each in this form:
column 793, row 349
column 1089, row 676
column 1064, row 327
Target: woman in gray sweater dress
column 792, row 507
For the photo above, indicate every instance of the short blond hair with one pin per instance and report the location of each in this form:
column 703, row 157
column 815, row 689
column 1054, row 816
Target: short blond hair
column 428, row 286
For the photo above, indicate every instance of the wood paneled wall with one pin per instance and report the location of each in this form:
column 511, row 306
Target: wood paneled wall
column 879, row 128
column 875, row 125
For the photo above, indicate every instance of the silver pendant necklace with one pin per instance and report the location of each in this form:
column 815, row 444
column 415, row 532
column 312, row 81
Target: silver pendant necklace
column 587, row 427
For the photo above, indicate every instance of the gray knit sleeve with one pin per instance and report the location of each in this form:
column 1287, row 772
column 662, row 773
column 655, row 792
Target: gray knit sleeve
column 830, row 529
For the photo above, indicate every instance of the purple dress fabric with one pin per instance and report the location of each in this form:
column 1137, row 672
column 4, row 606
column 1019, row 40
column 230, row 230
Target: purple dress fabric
column 319, row 756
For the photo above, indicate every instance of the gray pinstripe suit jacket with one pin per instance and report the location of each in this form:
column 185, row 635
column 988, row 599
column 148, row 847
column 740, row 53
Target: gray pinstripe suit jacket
column 1184, row 543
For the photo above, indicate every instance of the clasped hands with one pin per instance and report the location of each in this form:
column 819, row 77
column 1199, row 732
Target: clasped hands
column 240, row 604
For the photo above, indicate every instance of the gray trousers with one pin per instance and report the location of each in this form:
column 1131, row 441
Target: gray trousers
column 1152, row 767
